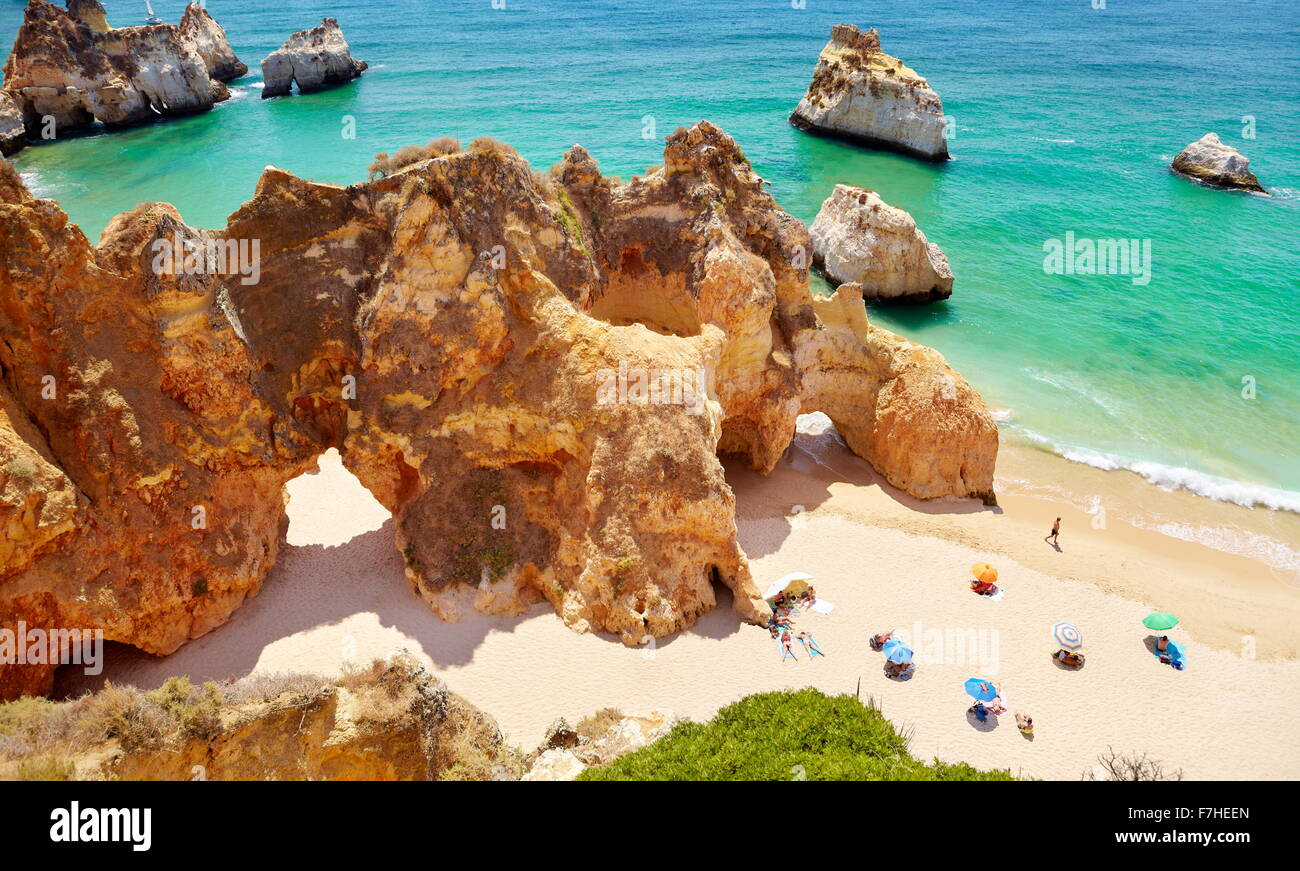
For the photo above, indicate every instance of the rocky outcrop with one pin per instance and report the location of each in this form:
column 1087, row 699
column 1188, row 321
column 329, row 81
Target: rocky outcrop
column 534, row 374
column 565, row 755
column 1209, row 161
column 208, row 38
column 13, row 127
column 897, row 404
column 860, row 93
column 73, row 68
column 389, row 721
column 316, row 58
column 858, row 237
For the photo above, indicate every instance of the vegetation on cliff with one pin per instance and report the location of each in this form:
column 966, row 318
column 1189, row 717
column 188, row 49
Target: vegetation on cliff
column 789, row 735
column 389, row 720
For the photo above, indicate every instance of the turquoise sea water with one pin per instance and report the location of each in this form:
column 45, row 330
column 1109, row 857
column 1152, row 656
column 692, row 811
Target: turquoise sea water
column 1067, row 118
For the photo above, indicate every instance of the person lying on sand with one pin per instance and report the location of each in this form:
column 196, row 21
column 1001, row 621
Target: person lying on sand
column 787, row 644
column 1025, row 724
column 996, row 706
column 983, row 588
column 878, row 641
column 1070, row 658
column 807, row 640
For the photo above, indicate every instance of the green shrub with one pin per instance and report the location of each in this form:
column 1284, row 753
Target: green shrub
column 790, row 735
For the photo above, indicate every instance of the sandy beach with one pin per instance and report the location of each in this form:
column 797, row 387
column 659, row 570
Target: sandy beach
column 886, row 561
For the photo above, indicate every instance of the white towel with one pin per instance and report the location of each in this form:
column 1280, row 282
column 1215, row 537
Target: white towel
column 821, row 606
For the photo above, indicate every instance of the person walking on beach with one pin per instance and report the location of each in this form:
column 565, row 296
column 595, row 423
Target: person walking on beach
column 1056, row 530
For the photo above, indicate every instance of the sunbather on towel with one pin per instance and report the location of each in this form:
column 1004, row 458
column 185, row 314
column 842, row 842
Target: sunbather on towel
column 983, row 589
column 809, row 644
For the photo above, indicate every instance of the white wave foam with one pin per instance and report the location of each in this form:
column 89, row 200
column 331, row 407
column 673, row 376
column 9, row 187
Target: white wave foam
column 1057, row 141
column 34, row 184
column 1277, row 555
column 1171, row 478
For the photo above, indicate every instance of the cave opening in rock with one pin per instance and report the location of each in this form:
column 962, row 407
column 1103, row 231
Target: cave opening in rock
column 329, row 506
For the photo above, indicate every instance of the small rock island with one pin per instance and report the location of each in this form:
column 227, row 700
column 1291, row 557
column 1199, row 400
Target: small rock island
column 861, row 94
column 858, row 237
column 315, row 59
column 1210, row 162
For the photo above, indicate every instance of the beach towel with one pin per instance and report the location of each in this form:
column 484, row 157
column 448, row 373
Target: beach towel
column 811, row 648
column 782, row 652
column 821, row 606
column 997, row 597
column 1175, row 654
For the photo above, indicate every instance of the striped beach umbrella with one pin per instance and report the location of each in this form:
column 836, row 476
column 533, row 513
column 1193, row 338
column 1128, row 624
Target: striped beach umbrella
column 1067, row 635
column 1160, row 621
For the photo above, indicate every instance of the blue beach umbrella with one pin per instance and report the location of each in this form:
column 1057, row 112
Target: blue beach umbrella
column 981, row 690
column 897, row 652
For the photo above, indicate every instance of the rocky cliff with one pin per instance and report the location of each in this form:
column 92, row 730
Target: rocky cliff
column 1209, row 161
column 315, row 59
column 858, row 237
column 390, row 720
column 860, row 93
column 534, row 373
column 71, row 67
column 208, row 38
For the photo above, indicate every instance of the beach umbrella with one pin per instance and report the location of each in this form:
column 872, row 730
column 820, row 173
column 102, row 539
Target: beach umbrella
column 1067, row 635
column 984, row 572
column 786, row 581
column 981, row 690
column 1160, row 621
column 897, row 652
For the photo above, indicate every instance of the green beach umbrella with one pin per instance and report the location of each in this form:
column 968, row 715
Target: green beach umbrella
column 1160, row 621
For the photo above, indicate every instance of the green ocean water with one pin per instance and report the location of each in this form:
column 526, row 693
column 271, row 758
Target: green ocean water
column 1066, row 120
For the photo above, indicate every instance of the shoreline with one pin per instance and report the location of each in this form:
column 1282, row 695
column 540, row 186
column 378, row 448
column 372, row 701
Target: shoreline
column 1225, row 595
column 338, row 597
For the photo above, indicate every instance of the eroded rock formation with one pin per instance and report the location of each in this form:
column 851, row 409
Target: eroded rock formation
column 391, row 720
column 1209, row 161
column 534, row 373
column 860, row 93
column 897, row 404
column 13, row 128
column 208, row 37
column 315, row 59
column 858, row 237
column 71, row 67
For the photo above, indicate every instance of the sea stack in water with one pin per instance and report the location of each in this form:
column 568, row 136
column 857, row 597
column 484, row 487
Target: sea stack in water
column 860, row 93
column 858, row 237
column 208, row 37
column 315, row 59
column 69, row 70
column 1209, row 161
column 534, row 373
